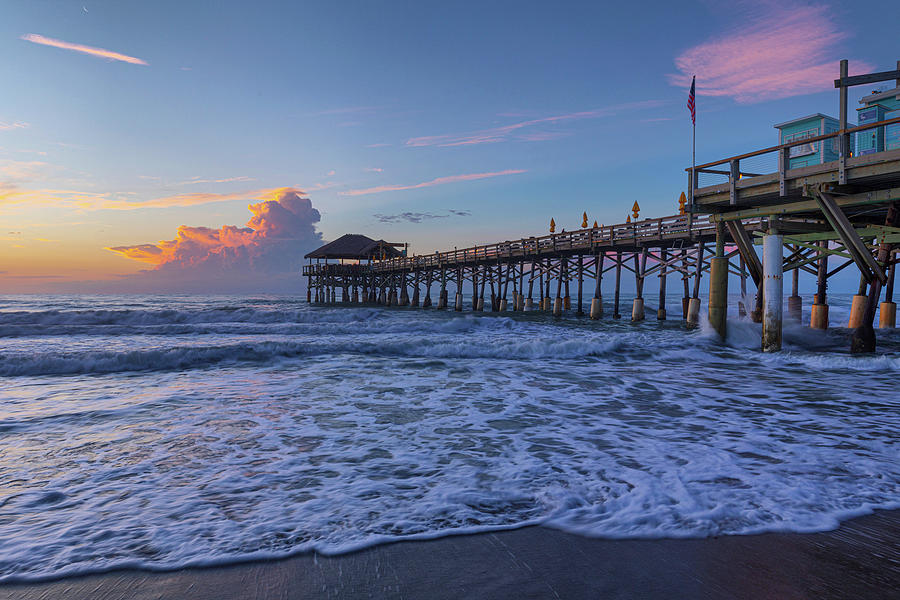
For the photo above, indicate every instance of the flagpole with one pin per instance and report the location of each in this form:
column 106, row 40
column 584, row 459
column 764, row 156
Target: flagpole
column 693, row 151
column 693, row 160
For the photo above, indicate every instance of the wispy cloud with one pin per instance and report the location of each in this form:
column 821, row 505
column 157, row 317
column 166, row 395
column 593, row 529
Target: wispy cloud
column 514, row 130
column 10, row 126
column 438, row 181
column 101, row 52
column 373, row 170
column 91, row 201
column 195, row 180
column 418, row 217
column 786, row 51
column 347, row 110
column 378, row 145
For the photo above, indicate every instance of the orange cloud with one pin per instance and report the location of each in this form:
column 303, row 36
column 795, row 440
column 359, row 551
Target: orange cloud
column 273, row 241
column 438, row 181
column 102, row 53
column 787, row 52
column 9, row 126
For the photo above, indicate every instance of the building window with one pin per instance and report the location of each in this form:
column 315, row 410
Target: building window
column 802, row 149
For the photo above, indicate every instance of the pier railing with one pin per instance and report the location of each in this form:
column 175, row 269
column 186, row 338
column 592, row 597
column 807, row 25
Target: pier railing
column 625, row 234
column 733, row 170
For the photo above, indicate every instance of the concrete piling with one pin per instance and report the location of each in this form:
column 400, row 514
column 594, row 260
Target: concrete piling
column 693, row 312
column 637, row 310
column 557, row 306
column 596, row 308
column 772, row 291
column 718, row 295
column 857, row 310
column 887, row 315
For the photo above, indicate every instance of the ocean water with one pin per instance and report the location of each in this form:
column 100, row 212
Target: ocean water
column 161, row 432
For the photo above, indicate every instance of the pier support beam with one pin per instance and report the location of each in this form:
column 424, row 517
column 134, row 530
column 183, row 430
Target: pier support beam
column 773, row 273
column 661, row 311
column 887, row 311
column 795, row 302
column 693, row 313
column 637, row 308
column 819, row 317
column 558, row 303
column 718, row 284
column 580, row 310
column 718, row 295
column 863, row 339
column 858, row 304
column 597, row 300
column 616, row 314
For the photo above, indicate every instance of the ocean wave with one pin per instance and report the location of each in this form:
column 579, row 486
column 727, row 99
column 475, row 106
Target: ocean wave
column 174, row 316
column 195, row 357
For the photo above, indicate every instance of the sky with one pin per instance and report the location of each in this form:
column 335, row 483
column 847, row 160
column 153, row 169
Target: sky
column 206, row 146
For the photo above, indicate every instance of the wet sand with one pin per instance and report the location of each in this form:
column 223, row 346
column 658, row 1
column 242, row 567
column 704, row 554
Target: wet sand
column 861, row 559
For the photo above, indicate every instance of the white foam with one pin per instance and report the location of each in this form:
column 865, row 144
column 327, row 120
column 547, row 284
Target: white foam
column 331, row 429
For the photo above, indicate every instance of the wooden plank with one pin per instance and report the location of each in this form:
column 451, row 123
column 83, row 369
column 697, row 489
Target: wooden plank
column 869, row 78
column 876, row 197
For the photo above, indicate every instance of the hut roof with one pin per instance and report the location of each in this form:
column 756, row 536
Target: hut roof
column 356, row 246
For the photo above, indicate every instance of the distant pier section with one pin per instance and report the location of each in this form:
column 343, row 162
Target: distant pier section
column 824, row 199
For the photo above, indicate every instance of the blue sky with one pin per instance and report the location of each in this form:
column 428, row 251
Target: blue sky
column 387, row 115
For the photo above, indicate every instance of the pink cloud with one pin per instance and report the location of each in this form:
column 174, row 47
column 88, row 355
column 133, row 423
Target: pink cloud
column 102, row 53
column 10, row 126
column 507, row 132
column 785, row 52
column 271, row 245
column 438, row 181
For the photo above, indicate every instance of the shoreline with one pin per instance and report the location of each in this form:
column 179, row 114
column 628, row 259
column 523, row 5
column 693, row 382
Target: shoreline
column 859, row 559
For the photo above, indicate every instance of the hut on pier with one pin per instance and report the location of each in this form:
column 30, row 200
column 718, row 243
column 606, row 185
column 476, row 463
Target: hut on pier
column 357, row 249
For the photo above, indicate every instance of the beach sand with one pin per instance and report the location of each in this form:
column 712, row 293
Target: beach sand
column 861, row 559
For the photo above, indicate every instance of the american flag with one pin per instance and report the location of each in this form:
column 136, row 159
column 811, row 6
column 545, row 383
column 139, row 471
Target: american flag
column 690, row 103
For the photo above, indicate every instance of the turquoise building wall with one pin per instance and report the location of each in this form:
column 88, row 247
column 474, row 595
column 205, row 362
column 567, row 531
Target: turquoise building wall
column 807, row 127
column 879, row 106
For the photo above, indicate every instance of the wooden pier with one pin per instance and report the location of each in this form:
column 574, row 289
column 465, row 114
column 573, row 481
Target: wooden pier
column 820, row 219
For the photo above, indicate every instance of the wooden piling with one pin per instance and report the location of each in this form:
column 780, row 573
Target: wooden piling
column 887, row 310
column 795, row 302
column 597, row 300
column 819, row 317
column 558, row 303
column 693, row 316
column 661, row 311
column 863, row 339
column 616, row 314
column 640, row 266
column 580, row 310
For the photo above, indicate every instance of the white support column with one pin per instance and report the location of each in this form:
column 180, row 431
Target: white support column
column 773, row 275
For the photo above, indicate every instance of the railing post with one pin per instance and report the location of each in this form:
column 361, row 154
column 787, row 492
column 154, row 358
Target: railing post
column 784, row 160
column 844, row 137
column 735, row 168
